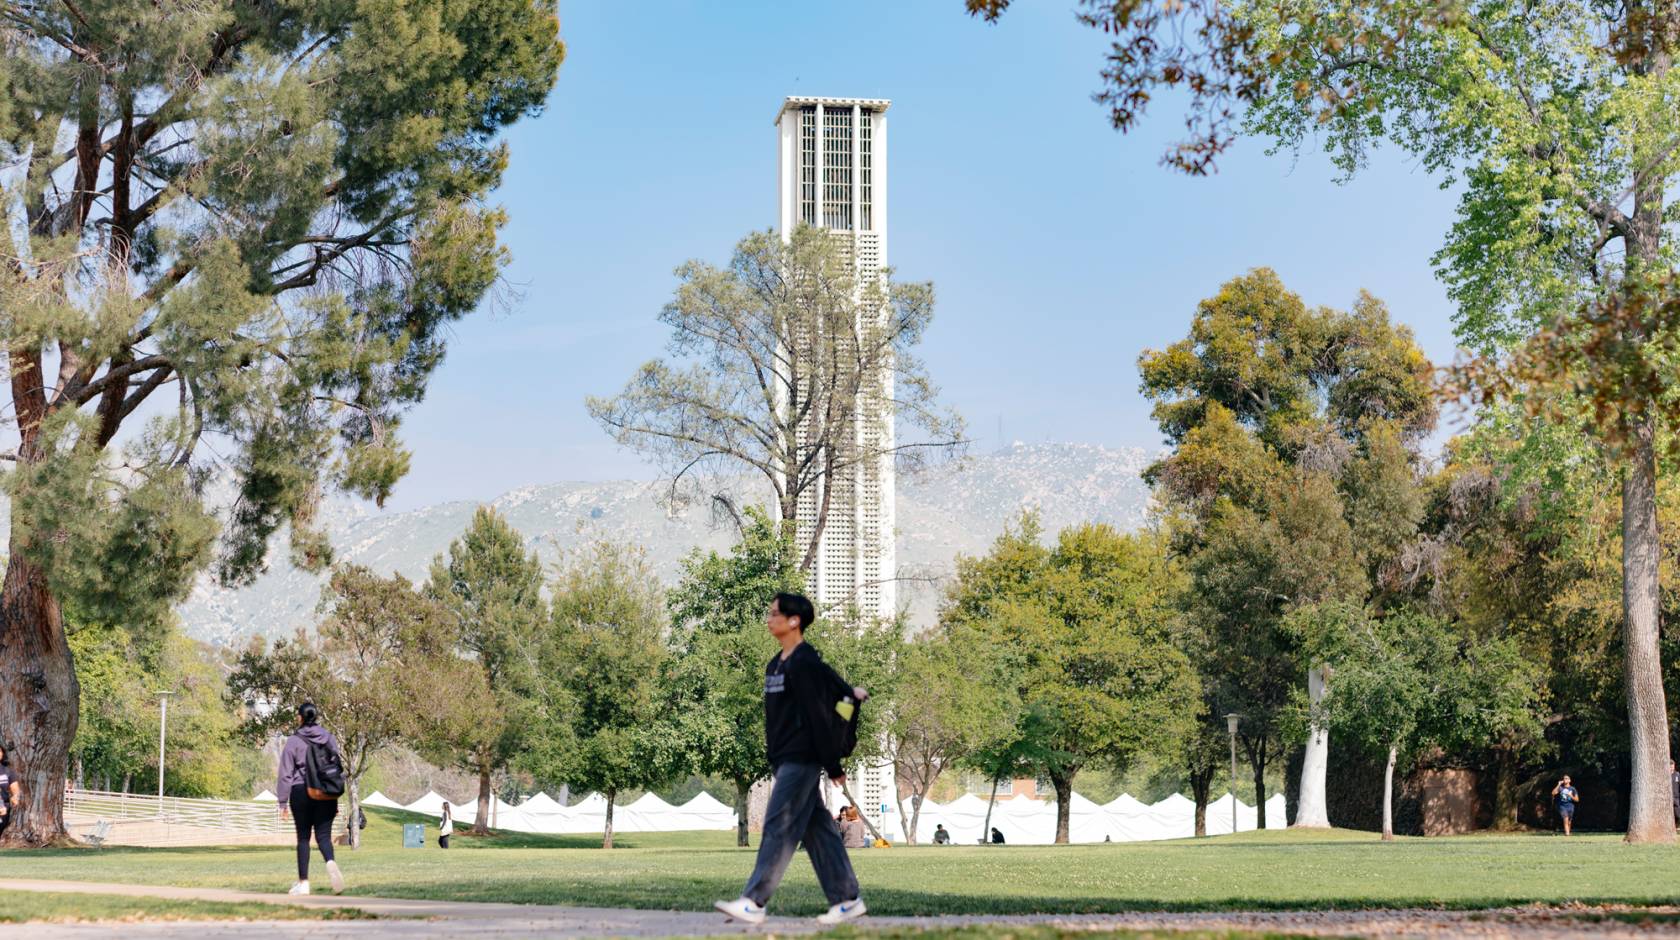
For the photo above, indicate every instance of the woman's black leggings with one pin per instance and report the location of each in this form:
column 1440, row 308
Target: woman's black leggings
column 311, row 815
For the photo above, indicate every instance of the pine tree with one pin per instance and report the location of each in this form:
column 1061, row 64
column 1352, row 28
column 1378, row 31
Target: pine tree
column 493, row 590
column 247, row 223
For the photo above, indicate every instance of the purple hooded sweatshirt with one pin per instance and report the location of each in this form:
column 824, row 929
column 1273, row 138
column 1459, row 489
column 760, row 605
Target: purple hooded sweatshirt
column 295, row 755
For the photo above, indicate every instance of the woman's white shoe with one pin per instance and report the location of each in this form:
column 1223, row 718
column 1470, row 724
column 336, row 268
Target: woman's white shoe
column 301, row 887
column 336, row 876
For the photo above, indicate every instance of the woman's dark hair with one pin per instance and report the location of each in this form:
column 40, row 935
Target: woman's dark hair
column 308, row 713
column 796, row 605
column 5, row 756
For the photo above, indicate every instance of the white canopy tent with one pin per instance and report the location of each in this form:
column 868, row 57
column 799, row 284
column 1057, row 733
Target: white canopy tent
column 1021, row 819
column 379, row 799
column 705, row 812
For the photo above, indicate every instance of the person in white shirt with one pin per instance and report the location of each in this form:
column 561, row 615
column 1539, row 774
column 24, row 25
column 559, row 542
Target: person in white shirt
column 446, row 825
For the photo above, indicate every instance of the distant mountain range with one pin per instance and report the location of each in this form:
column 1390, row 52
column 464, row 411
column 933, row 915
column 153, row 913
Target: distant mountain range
column 942, row 513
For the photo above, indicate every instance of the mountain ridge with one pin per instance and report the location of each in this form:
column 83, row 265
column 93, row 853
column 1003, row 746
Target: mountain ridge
column 942, row 512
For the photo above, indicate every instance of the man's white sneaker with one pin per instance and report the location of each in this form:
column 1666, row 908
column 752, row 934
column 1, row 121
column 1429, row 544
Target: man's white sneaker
column 336, row 876
column 301, row 887
column 842, row 912
column 742, row 909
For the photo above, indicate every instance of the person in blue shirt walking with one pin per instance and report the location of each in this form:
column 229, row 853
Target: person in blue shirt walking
column 1566, row 796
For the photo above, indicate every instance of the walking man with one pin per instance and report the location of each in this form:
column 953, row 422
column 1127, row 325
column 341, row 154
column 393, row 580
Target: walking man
column 796, row 707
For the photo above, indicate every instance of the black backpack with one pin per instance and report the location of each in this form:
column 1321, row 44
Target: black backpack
column 843, row 716
column 323, row 772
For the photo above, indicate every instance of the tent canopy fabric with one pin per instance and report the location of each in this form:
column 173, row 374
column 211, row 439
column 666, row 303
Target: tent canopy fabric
column 1021, row 819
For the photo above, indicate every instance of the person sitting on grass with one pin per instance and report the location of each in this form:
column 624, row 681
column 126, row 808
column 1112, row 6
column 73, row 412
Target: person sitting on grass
column 941, row 835
column 852, row 832
column 1566, row 796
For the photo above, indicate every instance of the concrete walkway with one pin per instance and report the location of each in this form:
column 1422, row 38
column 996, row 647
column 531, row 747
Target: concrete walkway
column 429, row 919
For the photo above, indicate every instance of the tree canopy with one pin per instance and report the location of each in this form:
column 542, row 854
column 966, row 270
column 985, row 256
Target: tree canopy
column 1084, row 630
column 788, row 366
column 235, row 236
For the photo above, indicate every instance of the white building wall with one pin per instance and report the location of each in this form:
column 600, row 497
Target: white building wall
column 856, row 558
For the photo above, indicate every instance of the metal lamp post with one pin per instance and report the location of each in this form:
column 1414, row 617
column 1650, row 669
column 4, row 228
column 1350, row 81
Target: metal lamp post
column 1231, row 726
column 163, row 726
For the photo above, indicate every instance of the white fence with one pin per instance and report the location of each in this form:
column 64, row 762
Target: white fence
column 144, row 819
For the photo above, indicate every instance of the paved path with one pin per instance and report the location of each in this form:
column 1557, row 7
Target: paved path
column 429, row 919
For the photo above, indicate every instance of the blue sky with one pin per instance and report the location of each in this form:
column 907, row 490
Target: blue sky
column 1059, row 248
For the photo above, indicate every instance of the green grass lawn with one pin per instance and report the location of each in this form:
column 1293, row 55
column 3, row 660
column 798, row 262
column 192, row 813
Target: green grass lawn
column 687, row 871
column 24, row 906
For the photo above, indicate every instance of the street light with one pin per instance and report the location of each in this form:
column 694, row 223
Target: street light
column 1231, row 726
column 163, row 724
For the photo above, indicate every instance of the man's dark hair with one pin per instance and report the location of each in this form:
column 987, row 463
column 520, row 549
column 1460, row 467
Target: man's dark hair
column 796, row 605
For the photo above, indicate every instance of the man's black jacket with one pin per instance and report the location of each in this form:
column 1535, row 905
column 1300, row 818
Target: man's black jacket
column 799, row 692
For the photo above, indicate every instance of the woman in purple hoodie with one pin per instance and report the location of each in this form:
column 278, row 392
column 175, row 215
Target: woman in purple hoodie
column 308, row 814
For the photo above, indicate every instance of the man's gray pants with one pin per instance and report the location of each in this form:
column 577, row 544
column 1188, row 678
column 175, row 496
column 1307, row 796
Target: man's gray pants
column 796, row 812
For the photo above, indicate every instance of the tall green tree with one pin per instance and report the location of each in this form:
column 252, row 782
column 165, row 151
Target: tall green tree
column 246, row 223
column 117, row 741
column 1527, row 521
column 719, row 645
column 732, row 400
column 1560, row 120
column 372, row 666
column 1085, row 630
column 951, row 699
column 115, row 734
column 1407, row 682
column 493, row 590
column 1293, row 480
column 607, row 649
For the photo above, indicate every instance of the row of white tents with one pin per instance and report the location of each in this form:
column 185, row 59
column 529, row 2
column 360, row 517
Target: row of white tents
column 1021, row 819
column 1123, row 819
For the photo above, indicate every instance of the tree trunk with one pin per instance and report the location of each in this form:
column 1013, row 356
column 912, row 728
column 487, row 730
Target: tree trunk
column 355, row 839
column 1311, row 812
column 1388, row 797
column 758, row 802
column 1200, row 784
column 78, row 778
column 481, row 823
column 606, row 837
column 986, row 827
column 1505, row 789
column 742, row 787
column 128, row 778
column 1257, row 759
column 914, row 817
column 39, row 697
column 1650, row 809
column 1064, row 804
